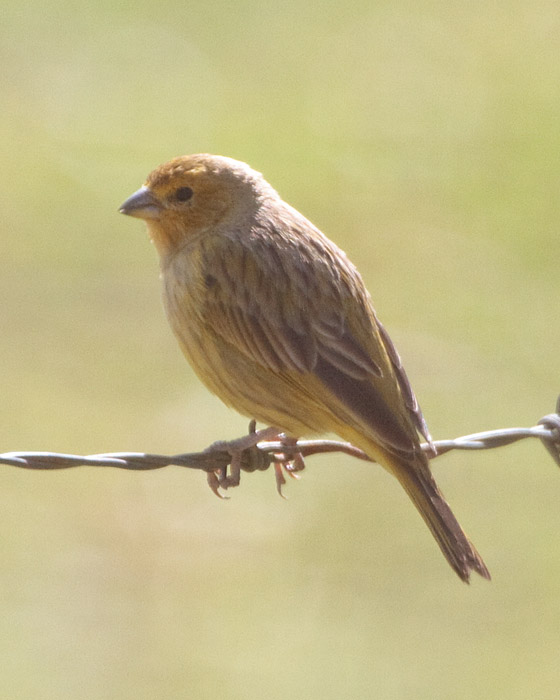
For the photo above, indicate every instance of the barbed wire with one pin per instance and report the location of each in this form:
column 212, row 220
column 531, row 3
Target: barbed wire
column 287, row 454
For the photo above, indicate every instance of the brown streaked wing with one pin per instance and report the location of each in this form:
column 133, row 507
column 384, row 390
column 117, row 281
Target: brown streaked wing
column 364, row 400
column 410, row 399
column 276, row 329
column 275, row 344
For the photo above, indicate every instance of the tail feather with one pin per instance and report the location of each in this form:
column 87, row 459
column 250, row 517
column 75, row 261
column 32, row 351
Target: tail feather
column 428, row 499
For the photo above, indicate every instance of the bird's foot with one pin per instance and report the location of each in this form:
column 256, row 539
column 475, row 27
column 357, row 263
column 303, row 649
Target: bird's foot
column 244, row 455
column 289, row 461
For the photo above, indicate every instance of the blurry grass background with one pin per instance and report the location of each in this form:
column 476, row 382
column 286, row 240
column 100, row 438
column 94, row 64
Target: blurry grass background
column 421, row 136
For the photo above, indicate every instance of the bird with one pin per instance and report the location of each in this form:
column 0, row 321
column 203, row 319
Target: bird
column 277, row 322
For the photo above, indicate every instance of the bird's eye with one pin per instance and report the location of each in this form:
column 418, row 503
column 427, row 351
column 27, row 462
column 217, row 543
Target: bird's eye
column 183, row 194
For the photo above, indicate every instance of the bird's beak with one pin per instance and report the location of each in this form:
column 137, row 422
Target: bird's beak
column 142, row 204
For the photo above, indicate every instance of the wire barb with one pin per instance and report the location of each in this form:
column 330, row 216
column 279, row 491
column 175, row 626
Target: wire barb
column 288, row 453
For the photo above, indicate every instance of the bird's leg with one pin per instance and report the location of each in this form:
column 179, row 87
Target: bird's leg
column 244, row 454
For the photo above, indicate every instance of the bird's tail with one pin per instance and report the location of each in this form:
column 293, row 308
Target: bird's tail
column 428, row 499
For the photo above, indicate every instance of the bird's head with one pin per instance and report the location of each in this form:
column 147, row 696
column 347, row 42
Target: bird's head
column 190, row 195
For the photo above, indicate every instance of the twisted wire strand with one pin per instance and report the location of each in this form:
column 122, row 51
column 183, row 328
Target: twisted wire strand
column 217, row 457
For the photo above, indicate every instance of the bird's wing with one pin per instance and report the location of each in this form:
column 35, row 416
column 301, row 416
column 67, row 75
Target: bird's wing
column 314, row 317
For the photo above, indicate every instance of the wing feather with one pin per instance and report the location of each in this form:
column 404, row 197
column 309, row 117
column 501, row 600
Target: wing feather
column 404, row 383
column 330, row 331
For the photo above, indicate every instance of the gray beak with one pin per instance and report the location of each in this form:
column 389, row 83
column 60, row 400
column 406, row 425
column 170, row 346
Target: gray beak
column 142, row 204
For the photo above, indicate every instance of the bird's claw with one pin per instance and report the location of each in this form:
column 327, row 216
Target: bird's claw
column 289, row 462
column 244, row 455
column 214, row 483
column 280, row 478
column 297, row 464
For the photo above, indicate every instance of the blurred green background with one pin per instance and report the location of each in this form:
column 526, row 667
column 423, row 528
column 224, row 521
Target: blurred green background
column 421, row 136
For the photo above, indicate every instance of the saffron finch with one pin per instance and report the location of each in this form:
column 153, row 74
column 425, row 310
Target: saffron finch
column 276, row 320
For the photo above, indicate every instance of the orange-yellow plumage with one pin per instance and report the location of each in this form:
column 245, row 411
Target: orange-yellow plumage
column 277, row 322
